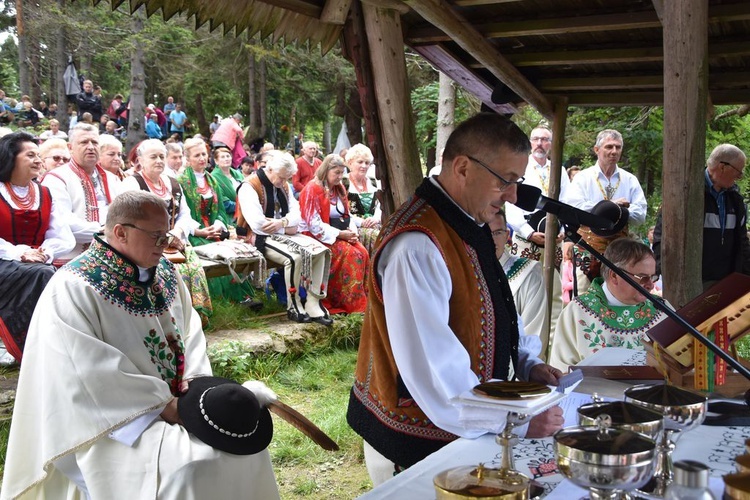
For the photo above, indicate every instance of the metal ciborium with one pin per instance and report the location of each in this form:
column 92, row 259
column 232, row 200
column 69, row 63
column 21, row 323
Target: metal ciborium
column 624, row 415
column 682, row 410
column 607, row 461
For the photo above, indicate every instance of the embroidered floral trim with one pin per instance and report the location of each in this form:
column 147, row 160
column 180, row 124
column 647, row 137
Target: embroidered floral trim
column 168, row 356
column 116, row 279
column 621, row 321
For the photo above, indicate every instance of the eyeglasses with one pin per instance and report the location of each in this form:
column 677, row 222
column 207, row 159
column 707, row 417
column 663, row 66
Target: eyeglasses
column 540, row 139
column 499, row 232
column 59, row 159
column 160, row 239
column 739, row 172
column 644, row 279
column 505, row 182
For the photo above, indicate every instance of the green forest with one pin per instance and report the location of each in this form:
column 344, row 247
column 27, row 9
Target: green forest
column 283, row 87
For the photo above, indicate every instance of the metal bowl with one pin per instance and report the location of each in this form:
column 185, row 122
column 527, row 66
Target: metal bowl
column 605, row 459
column 626, row 416
column 682, row 410
column 479, row 482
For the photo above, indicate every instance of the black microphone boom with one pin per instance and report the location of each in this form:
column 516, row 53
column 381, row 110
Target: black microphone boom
column 530, row 198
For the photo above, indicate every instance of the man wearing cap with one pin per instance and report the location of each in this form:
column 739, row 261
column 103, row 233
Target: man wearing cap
column 726, row 248
column 112, row 350
column 611, row 313
column 604, row 181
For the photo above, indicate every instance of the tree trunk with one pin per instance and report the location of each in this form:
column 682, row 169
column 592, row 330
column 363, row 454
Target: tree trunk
column 35, row 71
column 200, row 116
column 263, row 98
column 61, row 60
column 353, row 117
column 136, row 113
column 327, row 136
column 24, row 75
column 252, row 95
column 446, row 114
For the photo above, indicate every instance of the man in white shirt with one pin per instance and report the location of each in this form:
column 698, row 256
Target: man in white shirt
column 604, row 181
column 440, row 316
column 82, row 188
column 54, row 131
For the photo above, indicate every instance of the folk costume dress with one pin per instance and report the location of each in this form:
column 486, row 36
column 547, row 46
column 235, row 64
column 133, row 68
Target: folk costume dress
column 363, row 205
column 440, row 320
column 596, row 320
column 227, row 187
column 29, row 218
column 206, row 204
column 179, row 217
column 83, row 200
column 349, row 262
column 306, row 261
column 106, row 352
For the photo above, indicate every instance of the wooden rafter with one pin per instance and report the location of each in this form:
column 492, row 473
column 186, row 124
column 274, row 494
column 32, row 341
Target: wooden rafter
column 441, row 15
column 335, row 11
column 299, row 6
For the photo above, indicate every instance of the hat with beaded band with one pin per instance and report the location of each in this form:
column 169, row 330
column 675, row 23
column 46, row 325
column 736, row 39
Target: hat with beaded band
column 225, row 415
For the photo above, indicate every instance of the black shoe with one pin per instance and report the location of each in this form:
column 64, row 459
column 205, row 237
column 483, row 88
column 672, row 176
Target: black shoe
column 293, row 315
column 252, row 304
column 323, row 320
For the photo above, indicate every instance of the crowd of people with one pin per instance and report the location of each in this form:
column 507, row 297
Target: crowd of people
column 450, row 285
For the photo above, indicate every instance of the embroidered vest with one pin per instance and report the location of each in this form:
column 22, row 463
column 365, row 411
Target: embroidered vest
column 26, row 227
column 380, row 408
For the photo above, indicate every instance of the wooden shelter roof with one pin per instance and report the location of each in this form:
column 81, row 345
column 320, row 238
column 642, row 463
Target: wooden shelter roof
column 594, row 52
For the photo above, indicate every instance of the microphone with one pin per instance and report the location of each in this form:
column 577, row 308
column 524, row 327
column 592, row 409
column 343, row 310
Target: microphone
column 530, row 198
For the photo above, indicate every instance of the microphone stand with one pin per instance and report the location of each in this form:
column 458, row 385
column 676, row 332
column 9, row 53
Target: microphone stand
column 571, row 231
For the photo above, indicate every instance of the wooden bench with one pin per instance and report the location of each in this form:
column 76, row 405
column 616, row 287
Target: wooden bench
column 242, row 266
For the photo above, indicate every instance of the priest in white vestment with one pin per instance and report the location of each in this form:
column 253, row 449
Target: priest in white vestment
column 113, row 344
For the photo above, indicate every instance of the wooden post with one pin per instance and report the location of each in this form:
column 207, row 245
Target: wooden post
column 386, row 42
column 550, row 235
column 685, row 92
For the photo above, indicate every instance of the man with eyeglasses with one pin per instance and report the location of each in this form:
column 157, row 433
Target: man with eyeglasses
column 726, row 248
column 113, row 346
column 604, row 181
column 611, row 313
column 528, row 241
column 82, row 188
column 440, row 316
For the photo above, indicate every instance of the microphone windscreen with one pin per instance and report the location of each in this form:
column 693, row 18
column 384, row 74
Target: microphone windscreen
column 527, row 197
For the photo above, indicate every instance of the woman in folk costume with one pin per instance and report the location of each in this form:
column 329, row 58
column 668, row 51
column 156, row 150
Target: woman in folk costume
column 32, row 234
column 611, row 313
column 227, row 180
column 206, row 205
column 326, row 217
column 363, row 204
column 152, row 158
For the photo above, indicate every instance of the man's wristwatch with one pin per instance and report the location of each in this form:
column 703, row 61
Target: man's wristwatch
column 284, row 222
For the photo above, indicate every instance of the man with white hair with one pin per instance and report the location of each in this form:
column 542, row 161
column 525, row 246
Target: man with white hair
column 82, row 188
column 268, row 209
column 54, row 131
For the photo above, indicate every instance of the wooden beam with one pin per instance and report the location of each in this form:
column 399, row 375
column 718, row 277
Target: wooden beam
column 685, row 93
column 395, row 5
column 473, row 3
column 391, row 86
column 560, row 25
column 546, row 26
column 441, row 15
column 648, row 98
column 550, row 235
column 441, row 58
column 659, row 8
column 617, row 82
column 335, row 11
column 573, row 56
column 298, row 6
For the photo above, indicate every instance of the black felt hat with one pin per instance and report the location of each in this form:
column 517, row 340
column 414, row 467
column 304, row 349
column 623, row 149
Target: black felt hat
column 225, row 415
column 538, row 221
column 610, row 211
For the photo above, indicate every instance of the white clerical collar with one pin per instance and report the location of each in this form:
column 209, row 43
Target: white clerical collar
column 437, row 184
column 144, row 273
column 611, row 299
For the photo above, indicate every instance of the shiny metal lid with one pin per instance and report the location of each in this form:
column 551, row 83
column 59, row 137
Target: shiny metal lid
column 664, row 395
column 621, row 412
column 691, row 474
